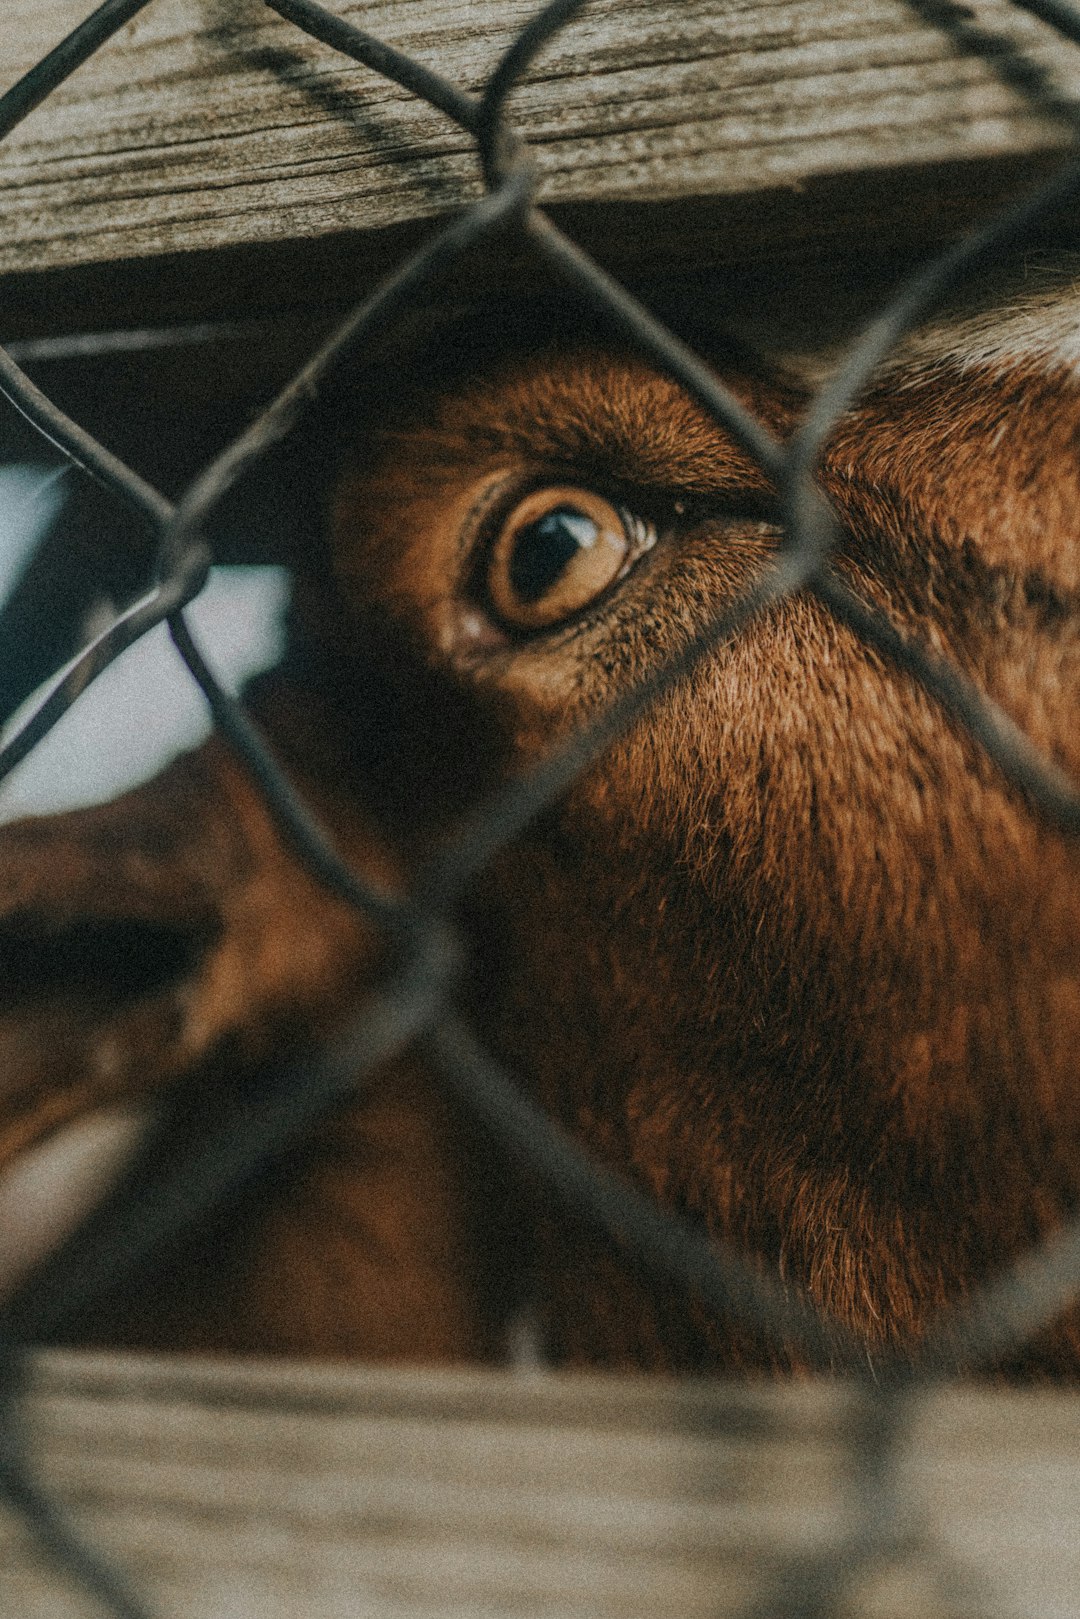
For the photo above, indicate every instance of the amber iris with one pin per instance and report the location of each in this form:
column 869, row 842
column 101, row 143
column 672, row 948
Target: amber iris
column 556, row 551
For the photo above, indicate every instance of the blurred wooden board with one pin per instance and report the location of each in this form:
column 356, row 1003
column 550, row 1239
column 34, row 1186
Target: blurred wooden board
column 666, row 131
column 270, row 1490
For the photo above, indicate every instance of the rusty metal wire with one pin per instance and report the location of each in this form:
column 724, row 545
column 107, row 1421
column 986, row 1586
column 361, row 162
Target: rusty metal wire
column 208, row 1163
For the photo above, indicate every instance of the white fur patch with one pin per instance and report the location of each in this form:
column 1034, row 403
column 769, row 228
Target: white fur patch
column 1033, row 320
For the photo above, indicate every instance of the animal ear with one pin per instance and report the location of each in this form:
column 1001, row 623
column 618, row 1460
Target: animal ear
column 169, row 938
column 136, row 938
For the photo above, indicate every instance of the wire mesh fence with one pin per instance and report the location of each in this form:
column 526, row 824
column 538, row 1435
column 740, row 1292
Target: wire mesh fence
column 414, row 1005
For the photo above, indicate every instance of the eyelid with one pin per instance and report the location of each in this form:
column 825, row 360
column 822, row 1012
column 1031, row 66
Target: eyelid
column 498, row 498
column 493, row 503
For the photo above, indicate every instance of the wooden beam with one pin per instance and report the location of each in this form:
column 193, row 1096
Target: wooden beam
column 666, row 132
column 272, row 1490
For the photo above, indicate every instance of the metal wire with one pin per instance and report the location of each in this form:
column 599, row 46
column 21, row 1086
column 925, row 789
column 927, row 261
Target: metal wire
column 210, row 1159
column 60, row 63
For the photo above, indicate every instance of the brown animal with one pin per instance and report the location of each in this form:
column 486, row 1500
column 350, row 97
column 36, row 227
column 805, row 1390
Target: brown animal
column 792, row 957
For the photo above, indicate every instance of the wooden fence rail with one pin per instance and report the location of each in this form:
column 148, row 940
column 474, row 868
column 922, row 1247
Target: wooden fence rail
column 263, row 1490
column 667, row 132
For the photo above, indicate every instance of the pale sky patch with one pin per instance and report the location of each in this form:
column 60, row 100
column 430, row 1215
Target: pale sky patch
column 145, row 708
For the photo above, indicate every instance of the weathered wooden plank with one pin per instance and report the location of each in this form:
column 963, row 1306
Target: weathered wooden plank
column 274, row 1489
column 665, row 130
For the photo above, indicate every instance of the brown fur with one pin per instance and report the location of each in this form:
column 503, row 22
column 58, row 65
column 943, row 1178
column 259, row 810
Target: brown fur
column 792, row 956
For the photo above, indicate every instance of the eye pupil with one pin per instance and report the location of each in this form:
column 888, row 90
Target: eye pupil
column 545, row 548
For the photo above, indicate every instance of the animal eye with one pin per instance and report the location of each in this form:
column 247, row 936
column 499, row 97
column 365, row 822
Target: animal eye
column 556, row 551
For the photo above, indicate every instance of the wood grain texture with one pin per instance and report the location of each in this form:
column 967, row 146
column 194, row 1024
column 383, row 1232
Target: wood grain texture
column 267, row 1490
column 685, row 128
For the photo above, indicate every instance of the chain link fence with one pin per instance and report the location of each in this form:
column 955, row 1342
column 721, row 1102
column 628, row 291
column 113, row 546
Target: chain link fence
column 414, row 1006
